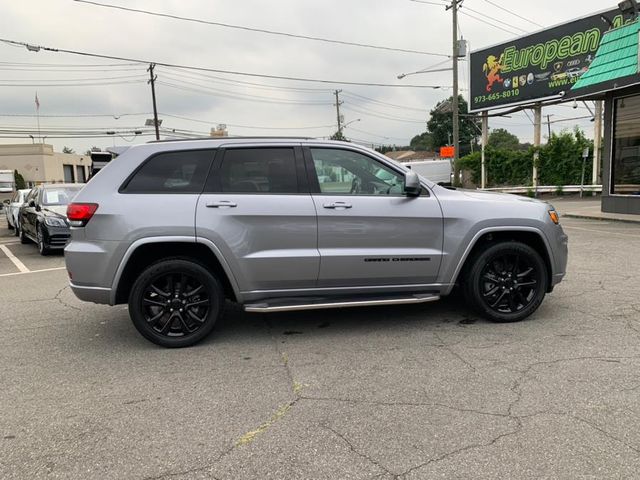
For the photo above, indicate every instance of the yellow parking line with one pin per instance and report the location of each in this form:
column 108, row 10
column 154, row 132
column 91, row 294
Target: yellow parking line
column 31, row 271
column 19, row 265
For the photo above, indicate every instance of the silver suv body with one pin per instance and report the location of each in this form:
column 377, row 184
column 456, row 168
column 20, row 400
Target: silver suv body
column 282, row 224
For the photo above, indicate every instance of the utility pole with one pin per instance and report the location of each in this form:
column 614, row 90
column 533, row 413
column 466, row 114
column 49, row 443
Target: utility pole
column 597, row 141
column 549, row 125
column 537, row 127
column 152, row 81
column 338, row 103
column 456, row 131
column 485, row 140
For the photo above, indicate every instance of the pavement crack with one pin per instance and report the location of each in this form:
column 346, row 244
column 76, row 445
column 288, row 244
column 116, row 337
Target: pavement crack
column 403, row 404
column 466, row 448
column 357, row 452
column 62, row 302
column 604, row 432
column 450, row 349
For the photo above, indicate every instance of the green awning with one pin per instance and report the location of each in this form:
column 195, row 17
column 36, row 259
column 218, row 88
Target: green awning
column 615, row 65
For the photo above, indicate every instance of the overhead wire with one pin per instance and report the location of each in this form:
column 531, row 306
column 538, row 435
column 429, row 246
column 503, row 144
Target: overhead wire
column 214, row 70
column 258, row 30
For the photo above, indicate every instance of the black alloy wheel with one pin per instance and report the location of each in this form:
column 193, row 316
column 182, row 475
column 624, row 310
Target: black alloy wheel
column 40, row 241
column 23, row 238
column 175, row 303
column 507, row 282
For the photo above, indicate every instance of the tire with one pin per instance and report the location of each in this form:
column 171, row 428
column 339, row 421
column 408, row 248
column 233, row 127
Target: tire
column 167, row 315
column 16, row 228
column 23, row 237
column 42, row 246
column 506, row 282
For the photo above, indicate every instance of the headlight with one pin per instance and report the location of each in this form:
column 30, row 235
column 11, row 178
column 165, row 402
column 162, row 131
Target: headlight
column 55, row 222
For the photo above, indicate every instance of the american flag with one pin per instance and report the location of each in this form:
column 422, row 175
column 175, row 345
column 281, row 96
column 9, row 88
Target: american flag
column 37, row 102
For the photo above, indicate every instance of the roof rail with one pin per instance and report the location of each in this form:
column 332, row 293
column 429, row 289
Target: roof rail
column 236, row 137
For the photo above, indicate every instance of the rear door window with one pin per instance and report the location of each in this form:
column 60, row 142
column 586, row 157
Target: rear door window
column 259, row 170
column 172, row 172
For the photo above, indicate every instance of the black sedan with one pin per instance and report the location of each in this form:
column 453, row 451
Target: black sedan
column 43, row 218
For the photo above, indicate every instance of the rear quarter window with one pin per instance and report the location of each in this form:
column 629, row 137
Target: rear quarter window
column 171, row 172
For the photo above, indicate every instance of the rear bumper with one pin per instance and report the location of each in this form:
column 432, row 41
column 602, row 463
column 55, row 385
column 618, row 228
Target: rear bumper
column 92, row 294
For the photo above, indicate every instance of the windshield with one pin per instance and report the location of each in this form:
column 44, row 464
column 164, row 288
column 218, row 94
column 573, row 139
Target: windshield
column 59, row 196
column 6, row 185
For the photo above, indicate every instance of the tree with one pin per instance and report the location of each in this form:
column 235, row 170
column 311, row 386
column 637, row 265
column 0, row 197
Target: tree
column 423, row 141
column 19, row 180
column 440, row 125
column 338, row 136
column 502, row 139
column 91, row 150
column 66, row 149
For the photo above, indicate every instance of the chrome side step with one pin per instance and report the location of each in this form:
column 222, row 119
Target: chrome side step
column 281, row 306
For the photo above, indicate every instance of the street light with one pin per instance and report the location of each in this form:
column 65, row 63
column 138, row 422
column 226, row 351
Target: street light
column 349, row 123
column 447, row 69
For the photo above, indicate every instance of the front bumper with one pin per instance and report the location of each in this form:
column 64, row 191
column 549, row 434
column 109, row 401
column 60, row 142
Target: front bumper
column 56, row 237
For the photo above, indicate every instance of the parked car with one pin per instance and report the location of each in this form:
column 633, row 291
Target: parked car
column 438, row 171
column 12, row 207
column 42, row 218
column 171, row 229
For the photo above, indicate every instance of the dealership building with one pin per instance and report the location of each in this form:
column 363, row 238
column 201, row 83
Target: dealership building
column 594, row 58
column 614, row 77
column 38, row 163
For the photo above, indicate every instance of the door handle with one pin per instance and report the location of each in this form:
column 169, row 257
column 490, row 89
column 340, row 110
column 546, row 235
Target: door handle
column 221, row 204
column 337, row 205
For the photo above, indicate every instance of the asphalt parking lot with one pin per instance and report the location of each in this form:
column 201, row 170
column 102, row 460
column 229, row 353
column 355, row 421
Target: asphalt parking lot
column 423, row 391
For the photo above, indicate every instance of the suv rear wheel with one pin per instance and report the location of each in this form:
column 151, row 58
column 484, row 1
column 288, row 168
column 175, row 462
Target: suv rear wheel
column 507, row 282
column 175, row 302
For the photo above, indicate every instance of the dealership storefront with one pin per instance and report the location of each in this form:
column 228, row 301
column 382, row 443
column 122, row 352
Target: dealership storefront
column 614, row 77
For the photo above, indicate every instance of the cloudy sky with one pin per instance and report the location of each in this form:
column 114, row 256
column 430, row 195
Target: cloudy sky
column 95, row 96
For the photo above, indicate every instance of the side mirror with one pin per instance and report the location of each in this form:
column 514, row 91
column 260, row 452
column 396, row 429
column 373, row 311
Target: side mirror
column 6, row 202
column 412, row 187
column 32, row 203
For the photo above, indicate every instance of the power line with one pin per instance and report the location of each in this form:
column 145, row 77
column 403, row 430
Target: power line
column 513, row 13
column 489, row 23
column 491, row 18
column 258, row 30
column 471, row 16
column 237, row 97
column 379, row 102
column 214, row 70
column 229, row 81
column 384, row 117
column 97, row 84
column 235, row 94
column 245, row 126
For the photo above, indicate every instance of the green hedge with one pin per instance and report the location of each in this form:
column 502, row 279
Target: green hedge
column 560, row 163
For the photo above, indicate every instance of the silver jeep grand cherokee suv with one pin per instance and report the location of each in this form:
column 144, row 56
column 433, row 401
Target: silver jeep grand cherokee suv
column 175, row 228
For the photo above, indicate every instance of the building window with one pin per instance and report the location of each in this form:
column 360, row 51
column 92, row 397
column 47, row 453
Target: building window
column 80, row 174
column 69, row 176
column 625, row 165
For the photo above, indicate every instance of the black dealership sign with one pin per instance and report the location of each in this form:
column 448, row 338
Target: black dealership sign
column 539, row 66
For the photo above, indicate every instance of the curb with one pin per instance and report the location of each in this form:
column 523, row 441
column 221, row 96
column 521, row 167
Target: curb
column 597, row 217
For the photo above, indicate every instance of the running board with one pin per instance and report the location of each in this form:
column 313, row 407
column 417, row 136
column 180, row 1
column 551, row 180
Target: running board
column 281, row 305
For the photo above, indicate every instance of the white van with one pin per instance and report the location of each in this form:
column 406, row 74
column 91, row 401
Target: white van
column 438, row 171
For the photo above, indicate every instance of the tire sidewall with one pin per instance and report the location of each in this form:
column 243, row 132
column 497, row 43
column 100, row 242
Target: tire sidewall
column 189, row 267
column 474, row 293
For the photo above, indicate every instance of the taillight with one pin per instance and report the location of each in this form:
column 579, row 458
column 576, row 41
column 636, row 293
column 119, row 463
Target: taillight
column 80, row 213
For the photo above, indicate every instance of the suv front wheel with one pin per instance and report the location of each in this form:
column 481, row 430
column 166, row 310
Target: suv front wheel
column 175, row 302
column 506, row 282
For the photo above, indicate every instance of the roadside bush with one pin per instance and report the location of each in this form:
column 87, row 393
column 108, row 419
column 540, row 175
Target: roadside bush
column 560, row 162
